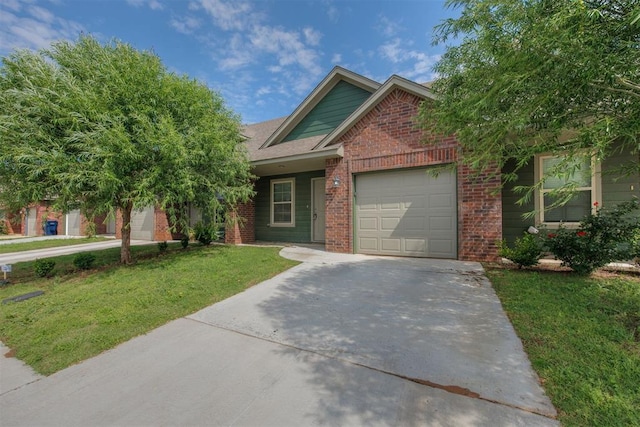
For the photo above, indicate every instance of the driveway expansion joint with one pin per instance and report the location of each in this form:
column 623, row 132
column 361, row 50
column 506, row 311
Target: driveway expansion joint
column 453, row 389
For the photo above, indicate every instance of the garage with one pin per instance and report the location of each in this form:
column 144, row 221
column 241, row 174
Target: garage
column 143, row 224
column 406, row 213
column 72, row 223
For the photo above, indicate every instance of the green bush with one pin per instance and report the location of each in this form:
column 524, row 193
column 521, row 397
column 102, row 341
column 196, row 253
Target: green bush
column 3, row 227
column 84, row 260
column 526, row 251
column 184, row 242
column 608, row 235
column 43, row 267
column 205, row 233
column 162, row 246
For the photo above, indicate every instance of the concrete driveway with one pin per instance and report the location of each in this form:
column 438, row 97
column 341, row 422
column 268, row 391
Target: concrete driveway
column 337, row 340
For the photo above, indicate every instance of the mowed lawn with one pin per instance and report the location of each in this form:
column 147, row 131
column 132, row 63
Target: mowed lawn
column 83, row 314
column 582, row 336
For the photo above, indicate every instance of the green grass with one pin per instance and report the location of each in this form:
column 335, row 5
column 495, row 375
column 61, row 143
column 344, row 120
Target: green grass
column 582, row 337
column 82, row 315
column 17, row 246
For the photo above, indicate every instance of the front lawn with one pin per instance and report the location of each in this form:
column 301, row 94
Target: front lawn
column 82, row 315
column 18, row 246
column 582, row 336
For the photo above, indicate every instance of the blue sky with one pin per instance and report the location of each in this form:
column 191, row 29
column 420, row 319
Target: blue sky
column 264, row 56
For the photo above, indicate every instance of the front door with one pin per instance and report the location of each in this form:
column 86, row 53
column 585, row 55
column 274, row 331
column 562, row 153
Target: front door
column 317, row 209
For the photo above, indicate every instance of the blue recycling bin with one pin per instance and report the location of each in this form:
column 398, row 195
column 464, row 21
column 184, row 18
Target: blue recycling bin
column 51, row 228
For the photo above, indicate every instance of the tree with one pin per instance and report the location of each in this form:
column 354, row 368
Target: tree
column 539, row 76
column 106, row 127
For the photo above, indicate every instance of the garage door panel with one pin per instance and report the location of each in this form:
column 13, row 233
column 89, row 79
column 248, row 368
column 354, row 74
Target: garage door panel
column 389, row 223
column 441, row 223
column 142, row 224
column 368, row 224
column 407, row 212
column 391, row 245
column 369, row 244
column 415, row 245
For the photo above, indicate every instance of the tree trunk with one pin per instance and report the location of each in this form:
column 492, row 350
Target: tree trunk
column 125, row 247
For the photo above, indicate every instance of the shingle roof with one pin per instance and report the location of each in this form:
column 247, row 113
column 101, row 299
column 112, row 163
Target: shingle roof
column 258, row 133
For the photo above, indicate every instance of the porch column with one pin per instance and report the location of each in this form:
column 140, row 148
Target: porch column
column 241, row 228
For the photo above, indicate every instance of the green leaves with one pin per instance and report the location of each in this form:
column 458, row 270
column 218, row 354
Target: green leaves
column 103, row 126
column 526, row 72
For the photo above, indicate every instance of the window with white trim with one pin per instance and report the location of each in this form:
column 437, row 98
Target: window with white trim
column 585, row 177
column 283, row 202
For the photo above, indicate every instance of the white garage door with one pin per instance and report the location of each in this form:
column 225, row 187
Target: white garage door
column 406, row 213
column 73, row 223
column 142, row 224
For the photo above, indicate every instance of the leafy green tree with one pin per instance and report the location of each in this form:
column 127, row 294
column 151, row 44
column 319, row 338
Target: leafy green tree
column 107, row 127
column 524, row 77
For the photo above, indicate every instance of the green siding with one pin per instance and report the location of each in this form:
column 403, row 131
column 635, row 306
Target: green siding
column 615, row 189
column 332, row 110
column 513, row 224
column 301, row 233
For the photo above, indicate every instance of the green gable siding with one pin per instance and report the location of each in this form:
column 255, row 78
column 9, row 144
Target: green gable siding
column 513, row 224
column 301, row 233
column 332, row 110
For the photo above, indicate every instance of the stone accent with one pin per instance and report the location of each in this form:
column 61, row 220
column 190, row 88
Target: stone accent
column 241, row 225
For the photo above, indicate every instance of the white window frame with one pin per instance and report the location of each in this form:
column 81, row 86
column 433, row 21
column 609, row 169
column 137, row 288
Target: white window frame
column 596, row 190
column 272, row 183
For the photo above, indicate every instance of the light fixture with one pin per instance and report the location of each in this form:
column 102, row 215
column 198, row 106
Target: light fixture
column 336, row 181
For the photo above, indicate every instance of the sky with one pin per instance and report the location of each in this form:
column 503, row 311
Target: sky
column 264, row 57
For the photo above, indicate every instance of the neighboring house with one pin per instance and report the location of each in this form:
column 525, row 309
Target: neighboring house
column 72, row 223
column 349, row 168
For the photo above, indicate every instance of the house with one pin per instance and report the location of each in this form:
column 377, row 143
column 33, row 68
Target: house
column 349, row 168
column 73, row 223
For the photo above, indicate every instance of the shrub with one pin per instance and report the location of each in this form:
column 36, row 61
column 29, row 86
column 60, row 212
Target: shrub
column 43, row 267
column 184, row 242
column 601, row 238
column 84, row 260
column 3, row 226
column 162, row 246
column 205, row 234
column 526, row 251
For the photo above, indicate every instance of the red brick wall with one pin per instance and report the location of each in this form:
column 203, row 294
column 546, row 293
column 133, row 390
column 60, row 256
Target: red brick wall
column 387, row 138
column 241, row 228
column 13, row 222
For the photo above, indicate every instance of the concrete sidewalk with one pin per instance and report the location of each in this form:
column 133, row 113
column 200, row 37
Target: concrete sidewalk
column 14, row 257
column 336, row 340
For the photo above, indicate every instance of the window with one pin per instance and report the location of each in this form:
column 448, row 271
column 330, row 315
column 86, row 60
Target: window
column 283, row 202
column 584, row 177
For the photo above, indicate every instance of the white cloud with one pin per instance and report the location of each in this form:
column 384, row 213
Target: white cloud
column 152, row 4
column 186, row 25
column 286, row 46
column 332, row 12
column 336, row 58
column 393, row 51
column 387, row 26
column 14, row 5
column 36, row 31
column 415, row 65
column 41, row 14
column 312, row 36
column 228, row 16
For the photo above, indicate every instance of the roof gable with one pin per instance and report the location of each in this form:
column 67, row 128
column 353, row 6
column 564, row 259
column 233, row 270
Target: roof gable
column 394, row 82
column 342, row 100
column 326, row 86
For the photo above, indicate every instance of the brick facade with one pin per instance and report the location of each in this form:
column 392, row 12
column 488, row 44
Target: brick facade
column 241, row 227
column 387, row 138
